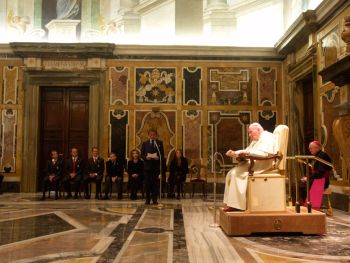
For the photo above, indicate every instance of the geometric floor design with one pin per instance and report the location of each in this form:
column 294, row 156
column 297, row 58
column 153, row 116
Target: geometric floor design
column 128, row 231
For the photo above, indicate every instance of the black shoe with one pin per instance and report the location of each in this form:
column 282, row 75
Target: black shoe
column 97, row 197
column 42, row 198
column 155, row 202
column 105, row 197
column 75, row 197
column 68, row 197
column 56, row 197
column 120, row 197
column 178, row 197
column 147, row 202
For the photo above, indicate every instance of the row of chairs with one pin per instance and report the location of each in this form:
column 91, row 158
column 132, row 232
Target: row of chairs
column 198, row 177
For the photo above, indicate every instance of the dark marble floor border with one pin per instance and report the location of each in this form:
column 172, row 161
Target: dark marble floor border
column 121, row 234
column 180, row 253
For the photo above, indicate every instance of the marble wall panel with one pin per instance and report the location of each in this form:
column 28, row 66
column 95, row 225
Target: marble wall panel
column 8, row 140
column 165, row 124
column 119, row 85
column 118, row 132
column 228, row 130
column 192, row 135
column 229, row 86
column 267, row 85
column 192, row 78
column 155, row 86
column 10, row 86
column 329, row 113
column 267, row 119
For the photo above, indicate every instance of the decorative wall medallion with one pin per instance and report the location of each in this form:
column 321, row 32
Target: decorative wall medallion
column 155, row 86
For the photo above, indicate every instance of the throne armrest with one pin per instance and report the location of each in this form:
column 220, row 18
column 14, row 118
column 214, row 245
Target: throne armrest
column 252, row 158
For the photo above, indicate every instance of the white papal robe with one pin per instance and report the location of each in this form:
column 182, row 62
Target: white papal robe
column 237, row 177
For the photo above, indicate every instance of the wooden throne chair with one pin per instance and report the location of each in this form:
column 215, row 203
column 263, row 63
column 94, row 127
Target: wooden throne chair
column 267, row 191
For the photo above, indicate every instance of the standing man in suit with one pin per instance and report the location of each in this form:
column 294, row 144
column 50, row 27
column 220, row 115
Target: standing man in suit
column 152, row 153
column 115, row 174
column 95, row 169
column 54, row 173
column 74, row 173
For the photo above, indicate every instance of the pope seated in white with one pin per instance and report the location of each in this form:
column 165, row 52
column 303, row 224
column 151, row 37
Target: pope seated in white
column 262, row 144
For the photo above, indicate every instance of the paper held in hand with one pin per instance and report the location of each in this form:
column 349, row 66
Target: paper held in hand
column 152, row 155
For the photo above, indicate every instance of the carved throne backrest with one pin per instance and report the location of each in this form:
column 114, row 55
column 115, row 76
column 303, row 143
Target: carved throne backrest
column 281, row 133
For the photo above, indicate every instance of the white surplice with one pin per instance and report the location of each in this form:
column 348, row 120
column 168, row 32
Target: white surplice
column 237, row 177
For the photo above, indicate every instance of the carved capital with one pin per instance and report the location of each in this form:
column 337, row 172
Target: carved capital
column 345, row 35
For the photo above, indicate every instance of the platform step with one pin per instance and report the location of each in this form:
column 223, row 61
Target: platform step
column 244, row 223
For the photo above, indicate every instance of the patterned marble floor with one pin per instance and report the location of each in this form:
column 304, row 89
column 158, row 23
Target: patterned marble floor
column 128, row 231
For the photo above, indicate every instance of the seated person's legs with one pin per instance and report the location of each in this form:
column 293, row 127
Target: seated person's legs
column 108, row 187
column 119, row 182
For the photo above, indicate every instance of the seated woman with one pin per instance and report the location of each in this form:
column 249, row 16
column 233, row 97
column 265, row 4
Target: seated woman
column 135, row 172
column 320, row 170
column 178, row 171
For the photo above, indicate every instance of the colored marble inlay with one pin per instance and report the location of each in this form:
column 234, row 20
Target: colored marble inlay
column 118, row 121
column 119, row 85
column 229, row 131
column 192, row 121
column 10, row 85
column 41, row 225
column 229, row 86
column 8, row 142
column 267, row 119
column 192, row 78
column 121, row 234
column 267, row 78
column 163, row 122
column 155, row 86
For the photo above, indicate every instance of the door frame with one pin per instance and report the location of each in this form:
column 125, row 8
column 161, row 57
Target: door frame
column 33, row 80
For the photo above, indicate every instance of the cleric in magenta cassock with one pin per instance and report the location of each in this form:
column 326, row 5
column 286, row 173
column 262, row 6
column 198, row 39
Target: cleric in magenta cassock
column 262, row 144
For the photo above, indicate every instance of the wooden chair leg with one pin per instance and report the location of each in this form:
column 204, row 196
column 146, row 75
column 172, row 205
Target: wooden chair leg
column 330, row 208
column 193, row 189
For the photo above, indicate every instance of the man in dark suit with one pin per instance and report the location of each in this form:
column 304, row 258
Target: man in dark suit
column 74, row 173
column 95, row 169
column 152, row 152
column 115, row 174
column 54, row 174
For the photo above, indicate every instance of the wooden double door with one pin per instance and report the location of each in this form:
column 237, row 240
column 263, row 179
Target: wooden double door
column 64, row 123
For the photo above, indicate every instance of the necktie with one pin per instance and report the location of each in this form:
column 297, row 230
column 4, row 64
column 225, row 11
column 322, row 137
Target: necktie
column 74, row 161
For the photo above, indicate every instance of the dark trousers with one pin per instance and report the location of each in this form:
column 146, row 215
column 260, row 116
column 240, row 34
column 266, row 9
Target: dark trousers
column 89, row 180
column 75, row 182
column 175, row 180
column 151, row 186
column 109, row 186
column 134, row 186
column 47, row 183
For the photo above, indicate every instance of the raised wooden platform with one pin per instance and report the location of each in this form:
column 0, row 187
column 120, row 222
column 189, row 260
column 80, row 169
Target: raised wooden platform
column 244, row 223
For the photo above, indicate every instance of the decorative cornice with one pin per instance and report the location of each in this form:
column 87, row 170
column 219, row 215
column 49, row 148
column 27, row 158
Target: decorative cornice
column 182, row 52
column 308, row 22
column 338, row 73
column 62, row 50
column 148, row 5
column 297, row 33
